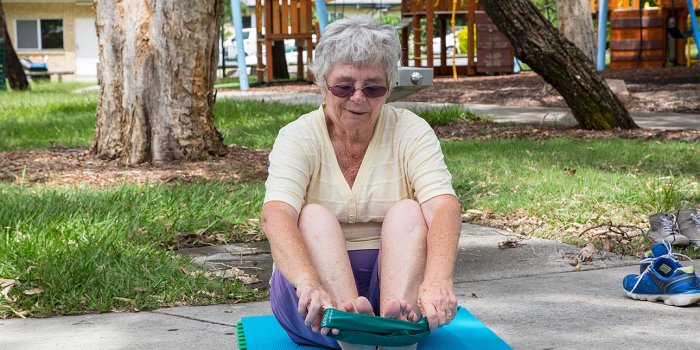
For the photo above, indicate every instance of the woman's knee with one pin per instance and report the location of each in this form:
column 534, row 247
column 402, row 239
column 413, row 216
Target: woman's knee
column 406, row 208
column 407, row 215
column 316, row 219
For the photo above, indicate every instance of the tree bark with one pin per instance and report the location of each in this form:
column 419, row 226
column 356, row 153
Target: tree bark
column 576, row 24
column 15, row 71
column 157, row 71
column 560, row 63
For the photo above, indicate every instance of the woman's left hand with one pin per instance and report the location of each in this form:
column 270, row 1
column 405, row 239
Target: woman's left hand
column 437, row 302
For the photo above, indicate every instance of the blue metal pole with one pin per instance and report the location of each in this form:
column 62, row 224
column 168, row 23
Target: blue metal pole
column 694, row 23
column 602, row 32
column 322, row 14
column 240, row 49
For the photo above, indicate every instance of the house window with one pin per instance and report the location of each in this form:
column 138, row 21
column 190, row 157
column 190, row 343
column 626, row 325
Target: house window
column 39, row 34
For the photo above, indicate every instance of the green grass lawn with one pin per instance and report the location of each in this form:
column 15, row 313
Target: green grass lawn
column 75, row 249
column 48, row 115
column 572, row 184
column 90, row 249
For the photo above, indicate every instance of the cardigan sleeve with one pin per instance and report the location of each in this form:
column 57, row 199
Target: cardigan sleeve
column 290, row 169
column 426, row 169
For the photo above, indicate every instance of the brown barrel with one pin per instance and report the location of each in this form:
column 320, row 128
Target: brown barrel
column 637, row 41
column 494, row 53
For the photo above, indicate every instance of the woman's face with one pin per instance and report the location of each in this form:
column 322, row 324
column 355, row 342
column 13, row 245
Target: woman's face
column 356, row 111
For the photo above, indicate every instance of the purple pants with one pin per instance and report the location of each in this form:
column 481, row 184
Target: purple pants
column 284, row 301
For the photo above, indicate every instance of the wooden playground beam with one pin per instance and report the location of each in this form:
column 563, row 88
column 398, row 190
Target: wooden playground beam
column 471, row 21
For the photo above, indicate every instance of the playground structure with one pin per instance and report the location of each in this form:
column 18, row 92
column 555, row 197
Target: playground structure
column 647, row 36
column 641, row 35
column 488, row 50
column 283, row 19
column 277, row 20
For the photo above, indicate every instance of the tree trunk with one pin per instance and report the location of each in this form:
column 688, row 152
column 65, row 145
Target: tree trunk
column 576, row 24
column 279, row 67
column 15, row 72
column 560, row 63
column 157, row 70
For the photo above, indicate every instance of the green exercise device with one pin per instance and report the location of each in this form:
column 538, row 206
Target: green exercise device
column 373, row 330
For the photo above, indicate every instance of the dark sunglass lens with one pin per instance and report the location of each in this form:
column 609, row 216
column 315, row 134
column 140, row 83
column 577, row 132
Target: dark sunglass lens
column 374, row 91
column 343, row 90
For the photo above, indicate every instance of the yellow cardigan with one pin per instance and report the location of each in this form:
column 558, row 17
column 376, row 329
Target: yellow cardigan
column 403, row 161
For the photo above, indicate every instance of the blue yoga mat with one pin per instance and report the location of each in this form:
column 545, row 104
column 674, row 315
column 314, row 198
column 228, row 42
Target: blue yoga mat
column 464, row 332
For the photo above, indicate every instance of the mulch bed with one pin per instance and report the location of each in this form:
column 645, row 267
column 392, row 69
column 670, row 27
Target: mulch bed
column 675, row 89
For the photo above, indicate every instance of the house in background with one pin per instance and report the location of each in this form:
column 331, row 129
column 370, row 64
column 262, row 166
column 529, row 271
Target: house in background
column 62, row 32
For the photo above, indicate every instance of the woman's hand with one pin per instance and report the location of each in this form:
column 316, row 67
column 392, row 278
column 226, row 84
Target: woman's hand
column 437, row 302
column 313, row 301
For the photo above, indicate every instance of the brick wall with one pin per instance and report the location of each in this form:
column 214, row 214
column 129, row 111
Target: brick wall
column 58, row 60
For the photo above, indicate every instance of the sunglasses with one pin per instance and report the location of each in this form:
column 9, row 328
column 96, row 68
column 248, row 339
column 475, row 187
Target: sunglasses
column 370, row 91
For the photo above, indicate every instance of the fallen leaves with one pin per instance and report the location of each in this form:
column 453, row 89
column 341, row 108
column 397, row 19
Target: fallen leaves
column 228, row 273
column 246, row 232
column 233, row 273
column 583, row 257
column 475, row 214
column 33, row 291
column 20, row 314
column 126, row 300
column 485, row 130
column 70, row 166
column 511, row 241
column 587, row 252
column 6, row 285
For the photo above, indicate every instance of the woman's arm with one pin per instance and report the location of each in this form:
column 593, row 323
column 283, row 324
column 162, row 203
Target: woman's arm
column 279, row 223
column 435, row 295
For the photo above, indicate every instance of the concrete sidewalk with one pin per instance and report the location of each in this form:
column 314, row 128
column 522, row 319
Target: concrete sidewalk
column 530, row 295
column 514, row 114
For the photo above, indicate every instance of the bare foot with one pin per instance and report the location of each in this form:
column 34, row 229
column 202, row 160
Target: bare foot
column 400, row 310
column 361, row 306
column 364, row 306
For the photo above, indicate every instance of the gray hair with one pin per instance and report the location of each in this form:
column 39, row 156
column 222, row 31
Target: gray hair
column 358, row 41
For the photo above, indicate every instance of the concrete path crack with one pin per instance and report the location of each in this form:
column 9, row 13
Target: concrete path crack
column 193, row 318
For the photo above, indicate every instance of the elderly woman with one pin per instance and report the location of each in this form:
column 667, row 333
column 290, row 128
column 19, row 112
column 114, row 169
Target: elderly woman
column 359, row 207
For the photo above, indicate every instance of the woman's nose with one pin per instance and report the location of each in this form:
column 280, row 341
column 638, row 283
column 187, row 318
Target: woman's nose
column 358, row 96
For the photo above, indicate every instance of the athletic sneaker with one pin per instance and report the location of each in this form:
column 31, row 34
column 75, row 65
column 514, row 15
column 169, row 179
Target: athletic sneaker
column 665, row 227
column 688, row 222
column 664, row 279
column 662, row 249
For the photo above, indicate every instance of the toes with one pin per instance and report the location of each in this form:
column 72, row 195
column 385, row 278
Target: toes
column 364, row 306
column 393, row 309
column 410, row 314
column 349, row 307
column 400, row 310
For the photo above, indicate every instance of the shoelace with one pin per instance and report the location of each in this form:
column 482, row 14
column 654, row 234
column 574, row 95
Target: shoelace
column 667, row 224
column 696, row 217
column 670, row 254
